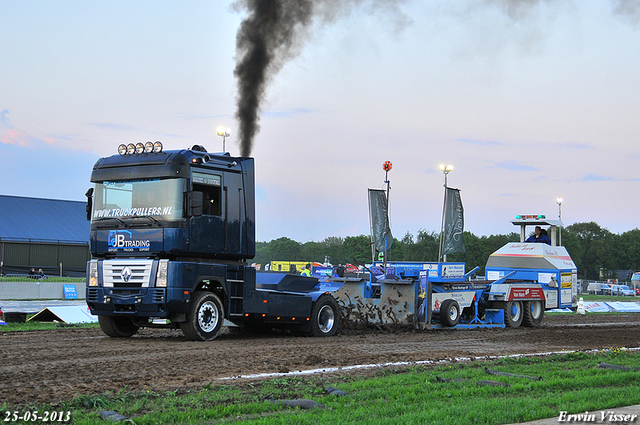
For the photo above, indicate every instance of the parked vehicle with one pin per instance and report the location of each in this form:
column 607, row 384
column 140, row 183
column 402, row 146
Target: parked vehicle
column 598, row 288
column 623, row 290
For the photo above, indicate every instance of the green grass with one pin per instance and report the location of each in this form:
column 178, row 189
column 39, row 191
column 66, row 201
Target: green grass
column 570, row 382
column 39, row 326
column 604, row 298
column 47, row 279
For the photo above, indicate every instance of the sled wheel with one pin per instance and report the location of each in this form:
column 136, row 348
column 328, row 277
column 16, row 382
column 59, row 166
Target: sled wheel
column 117, row 327
column 533, row 313
column 450, row 313
column 325, row 316
column 512, row 313
column 205, row 317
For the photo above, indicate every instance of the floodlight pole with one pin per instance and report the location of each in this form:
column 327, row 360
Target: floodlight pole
column 386, row 167
column 224, row 133
column 446, row 169
column 559, row 202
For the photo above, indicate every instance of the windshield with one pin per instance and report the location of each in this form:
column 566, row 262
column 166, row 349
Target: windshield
column 157, row 198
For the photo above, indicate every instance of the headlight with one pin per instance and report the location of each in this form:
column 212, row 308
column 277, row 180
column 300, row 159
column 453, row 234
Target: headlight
column 161, row 279
column 93, row 273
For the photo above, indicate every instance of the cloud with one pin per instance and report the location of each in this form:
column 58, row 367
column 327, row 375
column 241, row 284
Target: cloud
column 595, row 178
column 627, row 10
column 17, row 137
column 4, row 119
column 480, row 142
column 112, row 126
column 287, row 112
column 514, row 166
column 573, row 145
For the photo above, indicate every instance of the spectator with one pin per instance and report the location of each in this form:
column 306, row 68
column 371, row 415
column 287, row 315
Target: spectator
column 340, row 270
column 41, row 274
column 32, row 273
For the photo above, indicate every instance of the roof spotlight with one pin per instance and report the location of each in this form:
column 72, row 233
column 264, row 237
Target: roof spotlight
column 131, row 148
column 139, row 147
column 148, row 147
column 122, row 149
column 157, row 147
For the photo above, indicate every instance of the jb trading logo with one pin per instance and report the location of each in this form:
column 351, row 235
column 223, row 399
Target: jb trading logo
column 117, row 238
column 123, row 239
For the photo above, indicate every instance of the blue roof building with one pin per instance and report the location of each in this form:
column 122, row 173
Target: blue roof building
column 40, row 219
column 47, row 234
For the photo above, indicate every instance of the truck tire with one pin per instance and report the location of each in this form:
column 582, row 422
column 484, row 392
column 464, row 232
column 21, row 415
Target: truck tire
column 533, row 313
column 512, row 313
column 205, row 317
column 450, row 313
column 325, row 316
column 117, row 327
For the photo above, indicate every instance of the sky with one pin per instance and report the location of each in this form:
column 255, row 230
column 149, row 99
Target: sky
column 528, row 100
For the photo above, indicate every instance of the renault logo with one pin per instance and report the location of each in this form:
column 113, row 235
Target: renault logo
column 126, row 274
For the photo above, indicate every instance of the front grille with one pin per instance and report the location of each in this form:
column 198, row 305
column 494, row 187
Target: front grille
column 127, row 273
column 92, row 294
column 158, row 295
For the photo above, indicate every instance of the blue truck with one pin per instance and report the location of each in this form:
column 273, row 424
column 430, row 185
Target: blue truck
column 171, row 233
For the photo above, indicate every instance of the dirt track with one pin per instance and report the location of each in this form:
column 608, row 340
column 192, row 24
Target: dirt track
column 50, row 366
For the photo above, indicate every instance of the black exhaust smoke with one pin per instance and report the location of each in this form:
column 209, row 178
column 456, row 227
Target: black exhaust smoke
column 270, row 35
column 264, row 42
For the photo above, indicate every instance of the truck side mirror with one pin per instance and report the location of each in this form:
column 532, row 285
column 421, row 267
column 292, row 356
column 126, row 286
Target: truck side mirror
column 196, row 203
column 89, row 196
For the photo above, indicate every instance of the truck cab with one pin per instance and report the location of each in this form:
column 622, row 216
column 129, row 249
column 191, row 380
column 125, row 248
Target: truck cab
column 549, row 266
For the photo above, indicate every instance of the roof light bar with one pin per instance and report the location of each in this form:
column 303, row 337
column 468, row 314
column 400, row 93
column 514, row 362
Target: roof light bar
column 530, row 216
column 139, row 148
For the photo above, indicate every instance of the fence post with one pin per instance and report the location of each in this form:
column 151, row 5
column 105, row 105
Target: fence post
column 60, row 269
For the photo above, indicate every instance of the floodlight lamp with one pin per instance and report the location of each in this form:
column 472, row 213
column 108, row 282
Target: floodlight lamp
column 559, row 200
column 222, row 131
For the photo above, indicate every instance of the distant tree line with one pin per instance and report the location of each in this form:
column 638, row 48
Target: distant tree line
column 597, row 252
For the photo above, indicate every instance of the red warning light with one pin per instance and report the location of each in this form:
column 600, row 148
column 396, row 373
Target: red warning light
column 387, row 166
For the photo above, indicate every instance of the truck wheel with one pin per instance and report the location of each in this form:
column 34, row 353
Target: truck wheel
column 533, row 313
column 325, row 316
column 512, row 313
column 117, row 327
column 450, row 313
column 205, row 317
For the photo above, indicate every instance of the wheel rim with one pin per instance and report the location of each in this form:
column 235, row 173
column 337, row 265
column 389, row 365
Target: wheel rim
column 208, row 316
column 453, row 313
column 326, row 319
column 515, row 311
column 536, row 309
